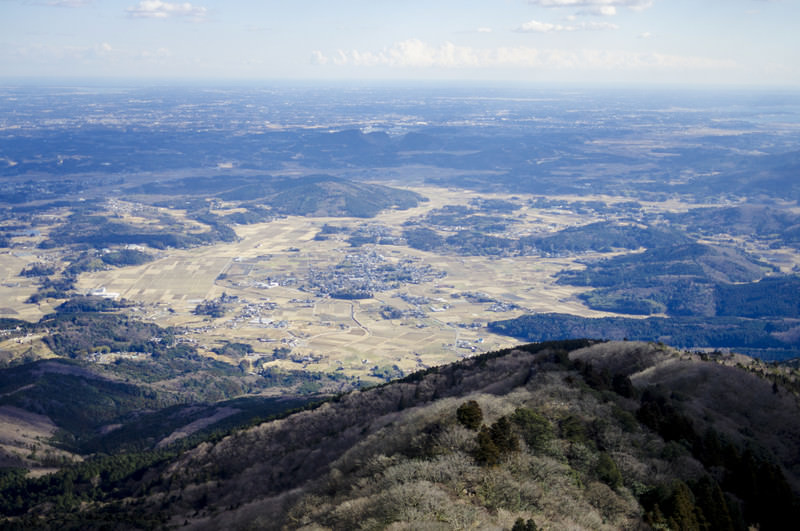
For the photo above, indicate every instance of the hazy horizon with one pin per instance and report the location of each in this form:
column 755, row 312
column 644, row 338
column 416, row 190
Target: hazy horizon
column 740, row 43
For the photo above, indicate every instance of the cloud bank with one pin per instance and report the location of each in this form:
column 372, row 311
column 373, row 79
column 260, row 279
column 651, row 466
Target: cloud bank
column 534, row 26
column 159, row 9
column 68, row 3
column 414, row 53
column 595, row 7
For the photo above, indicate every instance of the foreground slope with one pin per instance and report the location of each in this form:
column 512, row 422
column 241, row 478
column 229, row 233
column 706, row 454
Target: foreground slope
column 573, row 434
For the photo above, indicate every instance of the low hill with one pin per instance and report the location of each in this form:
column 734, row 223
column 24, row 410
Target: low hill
column 573, row 434
column 755, row 221
column 327, row 196
column 318, row 195
column 606, row 236
column 117, row 383
column 771, row 339
column 677, row 279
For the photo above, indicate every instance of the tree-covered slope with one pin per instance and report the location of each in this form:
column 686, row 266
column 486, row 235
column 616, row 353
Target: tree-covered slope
column 319, row 195
column 678, row 279
column 572, row 434
column 768, row 338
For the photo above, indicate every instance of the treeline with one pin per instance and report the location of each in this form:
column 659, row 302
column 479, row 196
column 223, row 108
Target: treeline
column 89, row 485
column 755, row 221
column 76, row 333
column 699, row 262
column 604, row 237
column 62, row 286
column 76, row 400
column 53, row 500
column 58, row 288
column 216, row 308
column 146, row 430
column 740, row 487
column 692, row 295
column 687, row 279
column 464, row 216
column 757, row 336
column 100, row 232
column 89, row 304
column 770, row 297
column 307, row 195
column 38, row 269
column 126, row 257
column 473, row 240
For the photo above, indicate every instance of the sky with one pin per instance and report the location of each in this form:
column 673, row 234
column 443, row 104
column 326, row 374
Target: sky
column 685, row 42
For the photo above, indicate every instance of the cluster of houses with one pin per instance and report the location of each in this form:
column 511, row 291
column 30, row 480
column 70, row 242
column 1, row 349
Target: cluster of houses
column 369, row 271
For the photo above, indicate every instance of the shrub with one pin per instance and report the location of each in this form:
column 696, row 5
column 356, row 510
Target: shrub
column 574, row 430
column 522, row 525
column 494, row 441
column 38, row 270
column 535, row 429
column 487, row 452
column 623, row 386
column 503, row 437
column 469, row 414
column 607, row 471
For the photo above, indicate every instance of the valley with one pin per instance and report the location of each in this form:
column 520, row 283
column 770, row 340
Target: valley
column 404, row 325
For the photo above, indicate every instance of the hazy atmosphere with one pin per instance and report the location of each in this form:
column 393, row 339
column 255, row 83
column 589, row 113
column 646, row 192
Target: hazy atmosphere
column 709, row 42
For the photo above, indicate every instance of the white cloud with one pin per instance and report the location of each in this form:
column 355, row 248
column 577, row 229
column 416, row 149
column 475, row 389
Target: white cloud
column 101, row 53
column 414, row 53
column 645, row 35
column 157, row 55
column 318, row 58
column 597, row 7
column 484, row 30
column 599, row 11
column 594, row 26
column 534, row 26
column 68, row 3
column 159, row 9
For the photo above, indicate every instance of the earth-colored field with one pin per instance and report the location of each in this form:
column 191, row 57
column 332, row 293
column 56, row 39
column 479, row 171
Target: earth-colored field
column 407, row 327
column 269, row 266
column 14, row 289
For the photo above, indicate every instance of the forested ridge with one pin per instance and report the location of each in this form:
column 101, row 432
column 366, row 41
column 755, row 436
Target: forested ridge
column 578, row 434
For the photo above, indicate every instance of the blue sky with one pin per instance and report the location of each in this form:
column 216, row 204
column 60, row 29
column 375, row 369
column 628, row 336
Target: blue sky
column 710, row 42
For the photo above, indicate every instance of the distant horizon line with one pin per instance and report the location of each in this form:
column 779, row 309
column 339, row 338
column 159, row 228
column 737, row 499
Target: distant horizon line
column 155, row 82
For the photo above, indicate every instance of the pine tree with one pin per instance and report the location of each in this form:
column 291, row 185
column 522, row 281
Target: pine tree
column 469, row 414
column 487, row 452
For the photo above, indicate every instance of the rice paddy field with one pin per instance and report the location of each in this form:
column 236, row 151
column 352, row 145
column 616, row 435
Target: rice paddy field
column 267, row 270
column 272, row 303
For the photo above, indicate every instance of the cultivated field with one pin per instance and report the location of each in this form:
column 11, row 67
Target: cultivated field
column 267, row 269
column 14, row 289
column 406, row 327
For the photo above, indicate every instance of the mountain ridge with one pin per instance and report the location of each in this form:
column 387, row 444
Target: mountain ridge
column 579, row 434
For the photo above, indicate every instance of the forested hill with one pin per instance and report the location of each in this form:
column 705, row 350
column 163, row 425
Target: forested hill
column 769, row 339
column 572, row 434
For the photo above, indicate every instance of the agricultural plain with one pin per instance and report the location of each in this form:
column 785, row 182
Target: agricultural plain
column 271, row 304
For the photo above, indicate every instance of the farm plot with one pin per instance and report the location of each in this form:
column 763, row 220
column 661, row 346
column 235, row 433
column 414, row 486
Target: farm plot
column 266, row 272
